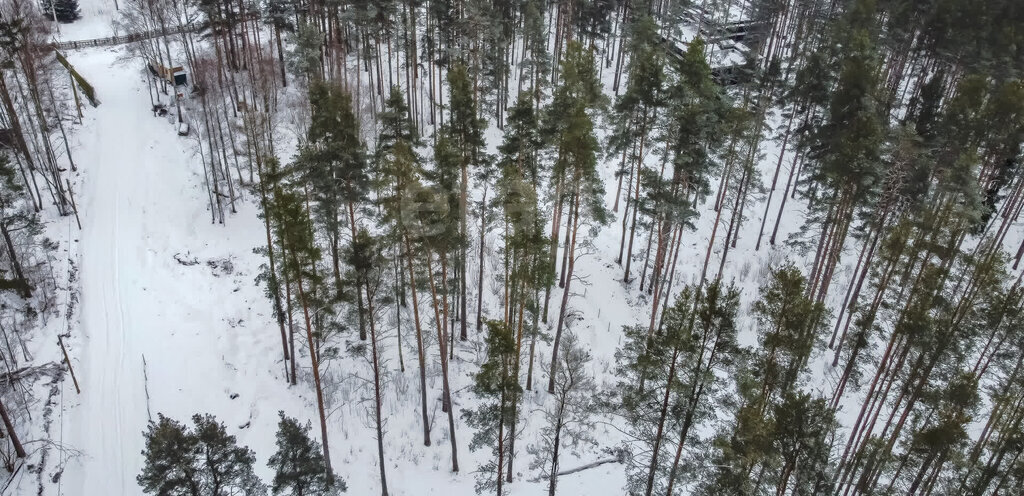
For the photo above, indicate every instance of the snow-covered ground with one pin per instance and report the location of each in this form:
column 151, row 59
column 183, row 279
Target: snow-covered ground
column 172, row 321
column 141, row 213
column 96, row 22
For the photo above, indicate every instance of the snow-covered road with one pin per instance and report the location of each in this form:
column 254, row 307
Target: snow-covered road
column 117, row 203
column 141, row 202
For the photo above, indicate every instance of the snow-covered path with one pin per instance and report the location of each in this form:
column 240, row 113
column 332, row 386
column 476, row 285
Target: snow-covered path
column 141, row 207
column 117, row 204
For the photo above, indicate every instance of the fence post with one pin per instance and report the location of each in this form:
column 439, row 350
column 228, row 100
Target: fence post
column 68, row 361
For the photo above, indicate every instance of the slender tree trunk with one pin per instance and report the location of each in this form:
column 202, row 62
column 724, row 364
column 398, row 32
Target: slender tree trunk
column 463, row 250
column 360, row 306
column 775, row 178
column 280, row 54
column 533, row 339
column 446, row 395
column 555, row 219
column 556, row 444
column 565, row 253
column 25, row 290
column 316, row 380
column 376, row 390
column 419, row 341
column 18, row 448
column 273, row 281
column 636, row 208
column 565, row 295
column 515, row 397
column 291, row 324
column 785, row 195
column 659, row 434
column 618, row 189
column 625, row 213
column 480, row 282
column 501, row 440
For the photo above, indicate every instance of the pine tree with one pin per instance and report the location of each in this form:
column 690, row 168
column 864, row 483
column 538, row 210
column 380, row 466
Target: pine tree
column 64, row 11
column 394, row 127
column 434, row 222
column 204, row 460
column 744, row 447
column 171, row 460
column 786, row 448
column 940, row 434
column 497, row 385
column 279, row 14
column 298, row 463
column 846, row 149
column 575, row 168
column 636, row 112
column 574, row 100
column 485, row 211
column 779, row 434
column 790, row 327
column 527, row 268
column 926, row 305
column 535, row 67
column 465, row 130
column 804, row 431
column 568, row 420
column 993, row 461
column 697, row 117
column 295, row 230
column 333, row 162
column 399, row 169
column 304, row 59
column 666, row 385
column 525, row 251
column 271, row 273
column 491, row 24
column 366, row 261
column 225, row 467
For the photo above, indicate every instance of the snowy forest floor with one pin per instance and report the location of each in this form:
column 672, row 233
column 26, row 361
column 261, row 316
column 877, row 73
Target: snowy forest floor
column 172, row 321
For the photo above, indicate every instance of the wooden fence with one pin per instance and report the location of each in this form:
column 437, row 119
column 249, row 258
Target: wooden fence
column 121, row 40
column 77, row 78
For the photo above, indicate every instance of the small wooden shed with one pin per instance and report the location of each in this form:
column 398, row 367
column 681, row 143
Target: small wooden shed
column 173, row 75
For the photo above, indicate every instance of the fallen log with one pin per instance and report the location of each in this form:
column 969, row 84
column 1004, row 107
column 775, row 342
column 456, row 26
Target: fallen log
column 52, row 369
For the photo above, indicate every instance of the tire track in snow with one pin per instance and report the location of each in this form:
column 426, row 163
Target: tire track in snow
column 141, row 204
column 106, row 425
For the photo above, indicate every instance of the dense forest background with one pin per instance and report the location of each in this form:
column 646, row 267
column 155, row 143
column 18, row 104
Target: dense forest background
column 809, row 210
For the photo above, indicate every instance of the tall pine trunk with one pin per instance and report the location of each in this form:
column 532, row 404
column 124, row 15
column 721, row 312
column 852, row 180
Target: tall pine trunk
column 443, row 344
column 316, row 379
column 553, row 372
column 419, row 342
column 376, row 390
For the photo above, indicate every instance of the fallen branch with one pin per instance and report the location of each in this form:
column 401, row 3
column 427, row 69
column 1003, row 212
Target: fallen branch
column 589, row 466
column 14, row 473
column 617, row 459
column 51, row 369
column 183, row 260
